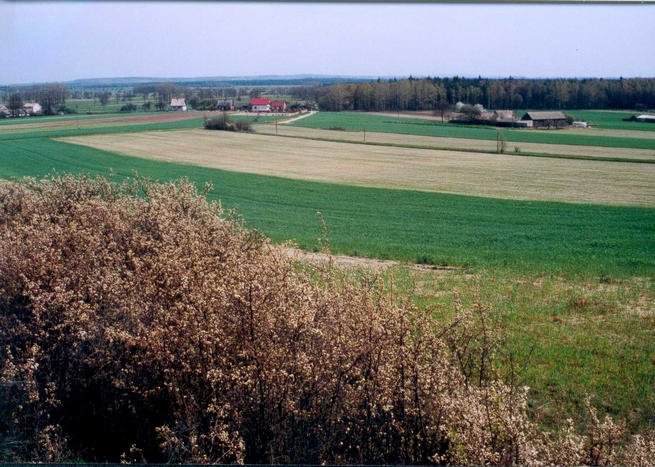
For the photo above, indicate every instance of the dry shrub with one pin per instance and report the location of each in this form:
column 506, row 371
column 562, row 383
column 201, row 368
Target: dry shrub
column 140, row 323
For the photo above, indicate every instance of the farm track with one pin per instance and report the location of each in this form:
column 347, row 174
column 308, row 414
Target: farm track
column 355, row 262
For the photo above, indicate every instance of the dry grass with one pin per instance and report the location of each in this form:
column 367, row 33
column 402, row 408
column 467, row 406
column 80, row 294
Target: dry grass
column 473, row 144
column 498, row 176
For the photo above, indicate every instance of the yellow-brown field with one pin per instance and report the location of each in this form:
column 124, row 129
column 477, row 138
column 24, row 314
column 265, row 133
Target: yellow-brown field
column 488, row 175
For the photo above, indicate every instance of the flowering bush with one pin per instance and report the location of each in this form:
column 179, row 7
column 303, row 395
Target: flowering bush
column 138, row 322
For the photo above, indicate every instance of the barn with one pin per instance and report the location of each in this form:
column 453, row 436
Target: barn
column 259, row 104
column 178, row 104
column 546, row 119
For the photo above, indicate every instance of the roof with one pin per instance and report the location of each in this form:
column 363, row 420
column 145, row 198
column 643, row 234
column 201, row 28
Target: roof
column 545, row 115
column 30, row 104
column 277, row 104
column 178, row 102
column 646, row 117
column 260, row 101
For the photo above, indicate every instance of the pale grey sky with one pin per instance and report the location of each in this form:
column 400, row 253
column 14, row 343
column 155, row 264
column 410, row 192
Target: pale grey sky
column 56, row 42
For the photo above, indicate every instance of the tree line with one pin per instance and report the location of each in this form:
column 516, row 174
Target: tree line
column 433, row 93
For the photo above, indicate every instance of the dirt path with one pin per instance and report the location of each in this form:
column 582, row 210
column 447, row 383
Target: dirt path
column 358, row 262
column 308, row 114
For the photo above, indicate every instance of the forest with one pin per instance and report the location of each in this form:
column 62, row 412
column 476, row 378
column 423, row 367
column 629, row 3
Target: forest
column 434, row 93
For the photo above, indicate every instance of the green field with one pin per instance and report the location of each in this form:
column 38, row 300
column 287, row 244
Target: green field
column 104, row 128
column 611, row 120
column 352, row 121
column 414, row 226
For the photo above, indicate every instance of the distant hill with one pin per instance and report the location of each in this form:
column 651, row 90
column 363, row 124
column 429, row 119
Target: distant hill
column 266, row 80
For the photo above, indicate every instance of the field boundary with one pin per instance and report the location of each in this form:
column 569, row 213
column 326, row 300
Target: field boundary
column 478, row 151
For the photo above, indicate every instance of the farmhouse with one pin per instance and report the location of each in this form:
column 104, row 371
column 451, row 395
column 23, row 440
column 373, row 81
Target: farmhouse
column 258, row 104
column 279, row 106
column 32, row 108
column 178, row 104
column 546, row 119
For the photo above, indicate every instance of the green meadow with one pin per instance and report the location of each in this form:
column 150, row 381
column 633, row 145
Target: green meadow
column 433, row 228
column 353, row 121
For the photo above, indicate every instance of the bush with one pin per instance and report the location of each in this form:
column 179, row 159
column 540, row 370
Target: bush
column 139, row 323
column 224, row 122
column 128, row 108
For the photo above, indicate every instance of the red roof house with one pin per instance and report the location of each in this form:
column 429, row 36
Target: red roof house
column 278, row 106
column 260, row 104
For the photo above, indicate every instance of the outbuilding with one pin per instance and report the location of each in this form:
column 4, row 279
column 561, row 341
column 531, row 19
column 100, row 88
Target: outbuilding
column 32, row 108
column 279, row 106
column 260, row 104
column 546, row 119
column 4, row 111
column 178, row 104
column 645, row 118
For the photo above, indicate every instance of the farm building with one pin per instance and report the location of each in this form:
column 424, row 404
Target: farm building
column 279, row 106
column 259, row 104
column 32, row 108
column 645, row 118
column 225, row 104
column 178, row 104
column 4, row 110
column 505, row 115
column 579, row 124
column 546, row 119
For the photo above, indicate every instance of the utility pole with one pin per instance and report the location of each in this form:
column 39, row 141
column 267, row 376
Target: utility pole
column 276, row 127
column 364, row 135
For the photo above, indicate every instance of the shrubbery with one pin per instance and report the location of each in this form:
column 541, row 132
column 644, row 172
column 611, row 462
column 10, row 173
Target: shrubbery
column 128, row 108
column 225, row 123
column 138, row 322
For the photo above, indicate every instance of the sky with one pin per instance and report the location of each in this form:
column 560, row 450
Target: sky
column 55, row 41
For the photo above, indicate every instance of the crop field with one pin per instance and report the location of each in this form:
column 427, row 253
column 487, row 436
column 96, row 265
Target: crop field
column 408, row 225
column 462, row 144
column 570, row 285
column 495, row 176
column 352, row 121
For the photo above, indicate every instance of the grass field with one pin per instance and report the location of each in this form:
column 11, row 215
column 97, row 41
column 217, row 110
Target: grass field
column 408, row 225
column 125, row 125
column 495, row 176
column 462, row 144
column 352, row 121
column 611, row 119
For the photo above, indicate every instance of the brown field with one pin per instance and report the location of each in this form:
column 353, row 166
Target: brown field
column 489, row 175
column 460, row 143
column 160, row 117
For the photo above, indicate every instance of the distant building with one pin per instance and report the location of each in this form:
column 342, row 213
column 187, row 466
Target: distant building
column 279, row 106
column 645, row 118
column 546, row 119
column 225, row 104
column 505, row 116
column 4, row 111
column 178, row 104
column 579, row 124
column 258, row 104
column 32, row 108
